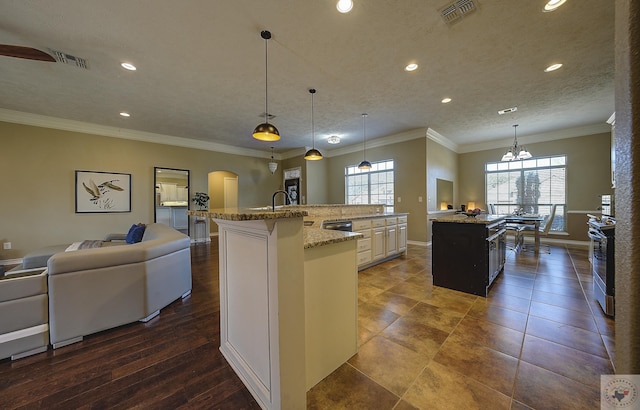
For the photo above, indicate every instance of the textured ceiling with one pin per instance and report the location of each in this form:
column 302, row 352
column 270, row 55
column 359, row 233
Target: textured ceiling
column 201, row 67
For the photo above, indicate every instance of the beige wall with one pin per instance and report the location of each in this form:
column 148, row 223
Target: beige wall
column 410, row 180
column 442, row 163
column 588, row 176
column 37, row 169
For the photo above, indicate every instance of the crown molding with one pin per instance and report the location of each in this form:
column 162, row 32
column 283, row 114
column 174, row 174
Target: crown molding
column 592, row 129
column 44, row 121
column 442, row 140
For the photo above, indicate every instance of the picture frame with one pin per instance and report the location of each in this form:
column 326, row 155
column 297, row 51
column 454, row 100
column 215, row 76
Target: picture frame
column 102, row 192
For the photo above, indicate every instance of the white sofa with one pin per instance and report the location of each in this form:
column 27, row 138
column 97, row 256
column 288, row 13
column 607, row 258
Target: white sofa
column 91, row 290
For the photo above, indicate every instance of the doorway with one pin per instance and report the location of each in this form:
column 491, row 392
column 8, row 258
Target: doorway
column 223, row 191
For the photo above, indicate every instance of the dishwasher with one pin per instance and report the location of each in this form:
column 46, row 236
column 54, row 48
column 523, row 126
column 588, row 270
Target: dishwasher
column 338, row 225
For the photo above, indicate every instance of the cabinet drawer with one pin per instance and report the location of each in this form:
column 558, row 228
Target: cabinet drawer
column 366, row 233
column 364, row 244
column 391, row 221
column 378, row 222
column 363, row 257
column 402, row 219
column 361, row 224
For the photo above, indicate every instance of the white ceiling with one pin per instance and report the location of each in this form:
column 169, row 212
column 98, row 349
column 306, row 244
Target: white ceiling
column 201, row 68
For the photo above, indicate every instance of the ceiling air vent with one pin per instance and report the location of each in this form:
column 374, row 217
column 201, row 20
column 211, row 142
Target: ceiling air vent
column 69, row 59
column 458, row 9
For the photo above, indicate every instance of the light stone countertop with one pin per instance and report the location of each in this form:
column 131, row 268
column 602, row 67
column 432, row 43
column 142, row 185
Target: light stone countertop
column 462, row 218
column 312, row 237
column 237, row 214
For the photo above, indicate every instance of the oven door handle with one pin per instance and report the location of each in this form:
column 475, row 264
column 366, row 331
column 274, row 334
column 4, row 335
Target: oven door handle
column 496, row 235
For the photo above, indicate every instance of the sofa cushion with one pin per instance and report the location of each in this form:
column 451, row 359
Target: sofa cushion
column 135, row 233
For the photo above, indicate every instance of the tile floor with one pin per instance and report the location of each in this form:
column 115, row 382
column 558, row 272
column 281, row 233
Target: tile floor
column 539, row 340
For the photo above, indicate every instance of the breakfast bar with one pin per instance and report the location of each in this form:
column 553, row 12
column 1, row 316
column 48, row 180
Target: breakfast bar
column 288, row 301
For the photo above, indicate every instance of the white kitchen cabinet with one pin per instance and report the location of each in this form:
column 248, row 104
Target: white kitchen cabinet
column 383, row 238
column 363, row 227
column 391, row 239
column 377, row 243
column 402, row 233
column 402, row 237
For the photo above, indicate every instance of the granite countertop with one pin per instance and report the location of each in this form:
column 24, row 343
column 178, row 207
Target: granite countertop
column 237, row 214
column 462, row 218
column 314, row 237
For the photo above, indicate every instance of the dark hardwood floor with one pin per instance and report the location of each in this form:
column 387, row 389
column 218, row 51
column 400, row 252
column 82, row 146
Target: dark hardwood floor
column 171, row 362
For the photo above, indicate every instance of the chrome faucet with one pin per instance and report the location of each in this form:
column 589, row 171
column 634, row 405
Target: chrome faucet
column 273, row 199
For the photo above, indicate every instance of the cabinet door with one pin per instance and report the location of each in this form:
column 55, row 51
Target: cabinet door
column 402, row 237
column 377, row 244
column 392, row 239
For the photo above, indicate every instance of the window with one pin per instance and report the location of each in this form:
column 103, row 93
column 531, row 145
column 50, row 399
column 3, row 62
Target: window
column 370, row 186
column 533, row 185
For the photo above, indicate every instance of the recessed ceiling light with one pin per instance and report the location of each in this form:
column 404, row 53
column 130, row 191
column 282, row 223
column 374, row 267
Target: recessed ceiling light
column 128, row 66
column 553, row 5
column 344, row 6
column 552, row 67
column 334, row 139
column 508, row 110
column 125, row 114
column 411, row 67
column 446, row 100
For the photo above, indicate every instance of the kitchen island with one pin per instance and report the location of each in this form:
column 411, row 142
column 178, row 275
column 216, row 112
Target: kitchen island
column 468, row 251
column 288, row 301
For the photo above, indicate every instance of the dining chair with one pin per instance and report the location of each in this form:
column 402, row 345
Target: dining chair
column 543, row 231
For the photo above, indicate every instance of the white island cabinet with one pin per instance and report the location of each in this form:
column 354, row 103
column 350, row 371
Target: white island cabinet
column 288, row 302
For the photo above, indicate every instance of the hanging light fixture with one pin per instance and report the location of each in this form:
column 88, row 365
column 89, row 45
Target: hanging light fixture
column 266, row 131
column 273, row 165
column 313, row 154
column 516, row 152
column 364, row 164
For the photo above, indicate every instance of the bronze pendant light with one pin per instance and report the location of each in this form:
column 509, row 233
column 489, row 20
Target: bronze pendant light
column 313, row 154
column 364, row 164
column 266, row 131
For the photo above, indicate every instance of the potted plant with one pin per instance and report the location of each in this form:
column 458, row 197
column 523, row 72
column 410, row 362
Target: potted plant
column 201, row 199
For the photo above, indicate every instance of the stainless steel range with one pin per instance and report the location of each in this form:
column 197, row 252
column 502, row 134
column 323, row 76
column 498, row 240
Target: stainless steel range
column 602, row 235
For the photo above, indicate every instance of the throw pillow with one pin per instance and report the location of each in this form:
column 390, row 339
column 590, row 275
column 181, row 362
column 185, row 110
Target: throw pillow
column 135, row 233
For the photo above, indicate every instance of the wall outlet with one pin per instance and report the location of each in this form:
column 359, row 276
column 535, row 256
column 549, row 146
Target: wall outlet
column 419, row 199
column 6, row 245
column 399, row 199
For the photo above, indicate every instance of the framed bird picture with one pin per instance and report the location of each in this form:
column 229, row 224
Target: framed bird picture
column 102, row 192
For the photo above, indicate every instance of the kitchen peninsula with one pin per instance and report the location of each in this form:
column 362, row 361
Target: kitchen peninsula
column 288, row 301
column 468, row 251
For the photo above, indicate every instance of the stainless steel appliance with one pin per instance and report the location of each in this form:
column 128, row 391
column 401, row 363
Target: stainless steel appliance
column 338, row 225
column 497, row 246
column 602, row 251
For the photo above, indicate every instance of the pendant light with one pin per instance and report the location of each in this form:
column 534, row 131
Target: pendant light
column 266, row 131
column 516, row 152
column 313, row 154
column 273, row 165
column 364, row 164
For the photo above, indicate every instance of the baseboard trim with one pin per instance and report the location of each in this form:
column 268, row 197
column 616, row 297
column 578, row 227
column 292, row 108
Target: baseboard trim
column 418, row 243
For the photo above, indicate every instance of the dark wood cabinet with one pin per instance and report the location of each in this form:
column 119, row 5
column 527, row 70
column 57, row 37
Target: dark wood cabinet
column 467, row 256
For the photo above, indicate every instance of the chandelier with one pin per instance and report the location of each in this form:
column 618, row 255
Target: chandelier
column 273, row 165
column 516, row 152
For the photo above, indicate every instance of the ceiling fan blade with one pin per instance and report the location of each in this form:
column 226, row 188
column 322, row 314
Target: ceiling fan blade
column 25, row 52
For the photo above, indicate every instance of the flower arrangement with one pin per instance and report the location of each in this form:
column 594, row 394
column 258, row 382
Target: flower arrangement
column 201, row 199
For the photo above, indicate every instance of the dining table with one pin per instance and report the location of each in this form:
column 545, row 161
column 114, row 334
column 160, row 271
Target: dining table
column 528, row 219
